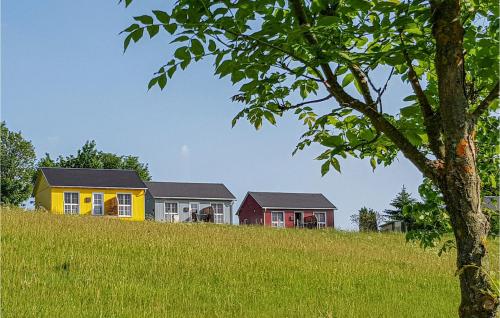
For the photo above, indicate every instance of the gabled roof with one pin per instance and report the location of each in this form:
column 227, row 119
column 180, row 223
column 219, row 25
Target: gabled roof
column 93, row 178
column 189, row 190
column 291, row 200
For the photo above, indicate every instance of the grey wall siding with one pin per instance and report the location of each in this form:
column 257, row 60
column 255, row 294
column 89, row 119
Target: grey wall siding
column 157, row 207
column 150, row 206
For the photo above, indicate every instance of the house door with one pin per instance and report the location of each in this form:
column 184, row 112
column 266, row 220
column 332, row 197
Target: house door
column 299, row 219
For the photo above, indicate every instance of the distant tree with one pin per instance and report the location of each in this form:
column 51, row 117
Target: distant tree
column 402, row 199
column 17, row 164
column 367, row 220
column 89, row 157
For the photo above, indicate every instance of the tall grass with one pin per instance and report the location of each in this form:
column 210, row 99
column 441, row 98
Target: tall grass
column 72, row 266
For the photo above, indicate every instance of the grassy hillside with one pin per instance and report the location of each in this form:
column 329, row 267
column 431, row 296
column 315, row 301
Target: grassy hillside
column 71, row 266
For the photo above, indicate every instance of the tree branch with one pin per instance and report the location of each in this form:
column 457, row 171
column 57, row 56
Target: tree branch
column 432, row 120
column 483, row 106
column 307, row 103
column 362, row 80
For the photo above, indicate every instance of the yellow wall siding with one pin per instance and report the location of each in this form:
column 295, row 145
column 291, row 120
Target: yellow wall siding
column 42, row 195
column 138, row 200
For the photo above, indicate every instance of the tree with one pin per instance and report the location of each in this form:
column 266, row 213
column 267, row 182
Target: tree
column 17, row 164
column 367, row 220
column 90, row 157
column 402, row 200
column 285, row 53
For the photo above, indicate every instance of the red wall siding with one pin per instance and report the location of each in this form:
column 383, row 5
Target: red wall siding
column 250, row 210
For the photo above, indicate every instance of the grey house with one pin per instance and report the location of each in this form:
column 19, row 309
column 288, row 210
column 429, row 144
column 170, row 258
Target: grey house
column 189, row 202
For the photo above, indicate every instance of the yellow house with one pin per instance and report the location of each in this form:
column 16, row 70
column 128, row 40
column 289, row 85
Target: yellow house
column 99, row 192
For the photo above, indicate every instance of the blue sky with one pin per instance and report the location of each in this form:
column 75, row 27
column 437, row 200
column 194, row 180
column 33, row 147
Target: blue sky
column 65, row 80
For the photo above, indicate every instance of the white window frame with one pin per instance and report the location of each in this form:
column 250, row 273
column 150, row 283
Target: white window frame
column 94, row 205
column 170, row 217
column 125, row 205
column 71, row 204
column 197, row 209
column 320, row 225
column 218, row 215
column 278, row 224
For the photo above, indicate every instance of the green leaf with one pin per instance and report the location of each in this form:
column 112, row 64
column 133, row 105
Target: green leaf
column 410, row 98
column 237, row 76
column 325, row 167
column 347, row 79
column 182, row 53
column 137, row 34
column 225, row 68
column 410, row 111
column 170, row 28
column 131, row 28
column 336, row 164
column 171, row 71
column 162, row 16
column 212, row 46
column 152, row 82
column 258, row 123
column 144, row 19
column 270, row 117
column 153, row 30
column 162, row 81
column 373, row 163
column 197, row 47
column 332, row 141
column 181, row 38
column 126, row 42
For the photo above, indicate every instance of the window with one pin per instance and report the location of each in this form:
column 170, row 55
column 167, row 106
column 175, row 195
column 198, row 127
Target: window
column 171, row 212
column 124, row 204
column 277, row 219
column 218, row 212
column 71, row 202
column 321, row 218
column 97, row 204
column 193, row 207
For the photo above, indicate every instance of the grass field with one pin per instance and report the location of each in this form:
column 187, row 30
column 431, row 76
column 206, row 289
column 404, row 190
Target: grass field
column 72, row 266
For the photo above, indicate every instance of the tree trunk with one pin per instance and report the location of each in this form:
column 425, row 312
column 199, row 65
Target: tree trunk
column 459, row 181
column 462, row 197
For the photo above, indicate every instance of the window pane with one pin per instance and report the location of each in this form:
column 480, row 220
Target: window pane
column 194, row 207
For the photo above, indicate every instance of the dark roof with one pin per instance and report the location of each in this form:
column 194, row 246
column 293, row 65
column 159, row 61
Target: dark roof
column 93, row 178
column 189, row 190
column 292, row 200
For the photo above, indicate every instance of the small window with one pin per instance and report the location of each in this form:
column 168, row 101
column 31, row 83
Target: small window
column 218, row 212
column 277, row 219
column 171, row 212
column 97, row 204
column 124, row 204
column 71, row 203
column 194, row 207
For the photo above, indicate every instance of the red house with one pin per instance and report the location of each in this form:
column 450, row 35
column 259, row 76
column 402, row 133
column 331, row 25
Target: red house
column 277, row 209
